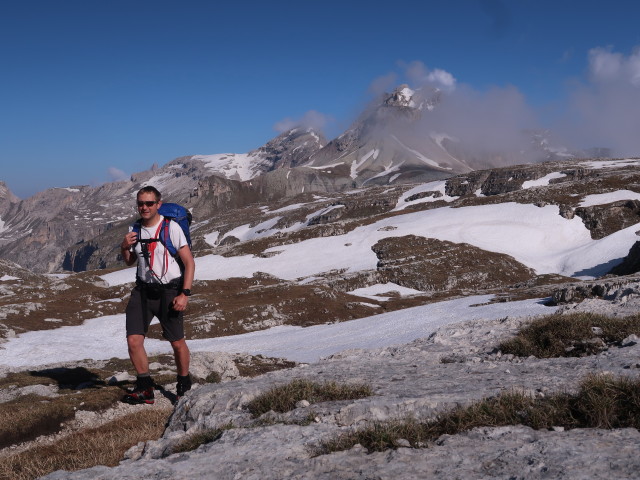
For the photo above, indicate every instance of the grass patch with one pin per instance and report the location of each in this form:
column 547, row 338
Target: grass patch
column 283, row 398
column 103, row 445
column 602, row 402
column 213, row 377
column 30, row 416
column 572, row 335
column 194, row 440
column 258, row 364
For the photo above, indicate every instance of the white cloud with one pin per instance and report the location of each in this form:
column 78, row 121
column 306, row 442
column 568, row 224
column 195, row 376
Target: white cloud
column 383, row 84
column 419, row 75
column 312, row 119
column 442, row 78
column 608, row 66
column 603, row 111
column 115, row 174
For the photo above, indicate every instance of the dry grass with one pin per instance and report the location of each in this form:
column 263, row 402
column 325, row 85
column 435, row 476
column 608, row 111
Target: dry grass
column 570, row 335
column 30, row 416
column 194, row 440
column 283, row 398
column 104, row 445
column 602, row 402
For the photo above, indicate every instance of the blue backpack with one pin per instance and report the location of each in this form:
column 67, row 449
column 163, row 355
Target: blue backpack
column 170, row 212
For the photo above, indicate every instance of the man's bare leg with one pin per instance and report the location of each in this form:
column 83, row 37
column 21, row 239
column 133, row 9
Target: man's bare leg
column 138, row 354
column 182, row 356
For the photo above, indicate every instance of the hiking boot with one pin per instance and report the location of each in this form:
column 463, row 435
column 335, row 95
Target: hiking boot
column 184, row 385
column 140, row 395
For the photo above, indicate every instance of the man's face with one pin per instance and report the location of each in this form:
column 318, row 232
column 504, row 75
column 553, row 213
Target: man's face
column 147, row 205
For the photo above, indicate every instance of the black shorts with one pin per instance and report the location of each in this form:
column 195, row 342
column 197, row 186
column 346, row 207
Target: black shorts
column 139, row 317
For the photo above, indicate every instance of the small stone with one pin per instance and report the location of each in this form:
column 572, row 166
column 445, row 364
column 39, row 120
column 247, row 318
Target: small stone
column 557, row 429
column 630, row 341
column 357, row 448
column 403, row 443
column 120, row 377
column 302, row 404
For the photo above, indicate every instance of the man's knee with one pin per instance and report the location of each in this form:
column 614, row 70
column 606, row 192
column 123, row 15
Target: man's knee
column 135, row 342
column 179, row 345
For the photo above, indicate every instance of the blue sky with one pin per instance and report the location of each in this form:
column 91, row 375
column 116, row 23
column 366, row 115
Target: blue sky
column 92, row 90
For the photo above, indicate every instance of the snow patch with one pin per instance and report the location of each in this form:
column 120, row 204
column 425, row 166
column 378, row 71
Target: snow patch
column 246, row 232
column 420, row 156
column 599, row 164
column 323, row 167
column 103, row 338
column 236, row 166
column 212, row 238
column 543, row 181
column 610, row 197
column 437, row 186
column 358, row 163
column 377, row 291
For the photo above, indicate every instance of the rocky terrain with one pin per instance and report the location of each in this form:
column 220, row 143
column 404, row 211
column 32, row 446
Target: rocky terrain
column 456, row 365
column 232, row 220
column 59, row 255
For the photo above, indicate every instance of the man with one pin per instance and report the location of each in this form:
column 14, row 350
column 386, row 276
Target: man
column 163, row 287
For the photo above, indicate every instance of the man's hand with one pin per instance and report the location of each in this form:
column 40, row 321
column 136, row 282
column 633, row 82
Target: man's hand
column 180, row 302
column 129, row 240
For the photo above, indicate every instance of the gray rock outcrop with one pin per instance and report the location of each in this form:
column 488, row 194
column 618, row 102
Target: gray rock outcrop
column 456, row 365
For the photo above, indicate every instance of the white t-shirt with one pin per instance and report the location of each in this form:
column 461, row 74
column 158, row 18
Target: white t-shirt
column 165, row 266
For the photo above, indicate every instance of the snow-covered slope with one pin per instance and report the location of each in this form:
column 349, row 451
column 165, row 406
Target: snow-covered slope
column 285, row 151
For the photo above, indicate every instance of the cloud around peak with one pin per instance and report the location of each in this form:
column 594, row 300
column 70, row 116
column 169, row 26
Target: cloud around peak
column 311, row 119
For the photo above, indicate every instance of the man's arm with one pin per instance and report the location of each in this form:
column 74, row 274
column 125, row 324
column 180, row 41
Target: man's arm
column 129, row 240
column 189, row 266
column 180, row 302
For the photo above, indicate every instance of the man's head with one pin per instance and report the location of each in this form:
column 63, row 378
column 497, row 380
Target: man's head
column 148, row 201
column 150, row 189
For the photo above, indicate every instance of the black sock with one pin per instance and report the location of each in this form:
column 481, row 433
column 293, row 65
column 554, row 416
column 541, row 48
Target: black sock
column 144, row 380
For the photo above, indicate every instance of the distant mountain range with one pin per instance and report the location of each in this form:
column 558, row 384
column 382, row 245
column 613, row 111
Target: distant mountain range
column 389, row 144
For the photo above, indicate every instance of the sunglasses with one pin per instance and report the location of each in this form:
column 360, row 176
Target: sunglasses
column 148, row 203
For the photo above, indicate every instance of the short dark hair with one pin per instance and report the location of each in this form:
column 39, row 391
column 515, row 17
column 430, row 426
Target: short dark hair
column 150, row 189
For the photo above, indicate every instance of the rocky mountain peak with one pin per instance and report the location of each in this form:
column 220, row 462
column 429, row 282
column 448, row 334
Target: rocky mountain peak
column 6, row 193
column 417, row 99
column 402, row 96
column 290, row 148
column 6, row 197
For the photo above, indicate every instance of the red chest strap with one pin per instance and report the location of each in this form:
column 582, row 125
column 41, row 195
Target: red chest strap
column 152, row 249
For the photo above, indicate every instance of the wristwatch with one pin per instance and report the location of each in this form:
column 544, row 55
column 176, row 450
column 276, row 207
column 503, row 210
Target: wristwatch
column 186, row 291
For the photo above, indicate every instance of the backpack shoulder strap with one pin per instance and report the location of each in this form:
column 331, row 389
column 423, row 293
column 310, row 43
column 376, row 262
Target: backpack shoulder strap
column 165, row 237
